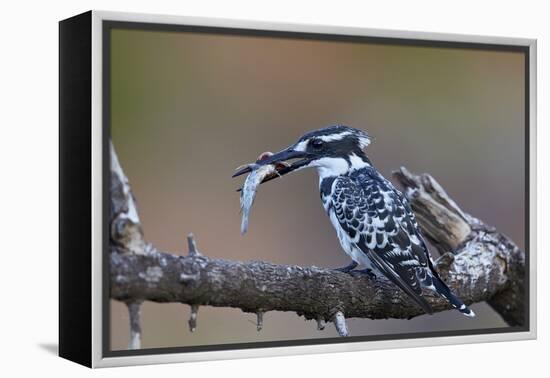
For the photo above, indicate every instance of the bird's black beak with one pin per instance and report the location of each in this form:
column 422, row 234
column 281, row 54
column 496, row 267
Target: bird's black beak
column 279, row 158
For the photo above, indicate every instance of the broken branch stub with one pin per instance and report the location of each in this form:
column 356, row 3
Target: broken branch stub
column 482, row 265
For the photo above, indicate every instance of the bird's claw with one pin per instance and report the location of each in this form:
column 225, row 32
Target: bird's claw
column 347, row 268
column 368, row 272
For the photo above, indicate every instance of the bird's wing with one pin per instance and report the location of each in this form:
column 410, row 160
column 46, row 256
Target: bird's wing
column 414, row 226
column 371, row 212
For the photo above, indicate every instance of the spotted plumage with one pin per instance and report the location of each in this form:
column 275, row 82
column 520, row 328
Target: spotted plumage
column 376, row 228
column 373, row 220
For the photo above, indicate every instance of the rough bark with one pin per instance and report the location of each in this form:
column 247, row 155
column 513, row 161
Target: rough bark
column 474, row 244
column 477, row 262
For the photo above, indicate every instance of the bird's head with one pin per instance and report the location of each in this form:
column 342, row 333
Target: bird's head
column 333, row 150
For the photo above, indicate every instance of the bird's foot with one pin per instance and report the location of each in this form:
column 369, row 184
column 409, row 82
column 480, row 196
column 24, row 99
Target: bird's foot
column 368, row 272
column 347, row 268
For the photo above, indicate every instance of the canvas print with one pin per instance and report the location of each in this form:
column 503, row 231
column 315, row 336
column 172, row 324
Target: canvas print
column 273, row 188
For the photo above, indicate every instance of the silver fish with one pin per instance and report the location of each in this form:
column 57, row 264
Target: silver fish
column 250, row 186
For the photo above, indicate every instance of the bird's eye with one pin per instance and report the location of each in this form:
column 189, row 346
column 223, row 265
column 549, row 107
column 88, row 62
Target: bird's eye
column 317, row 143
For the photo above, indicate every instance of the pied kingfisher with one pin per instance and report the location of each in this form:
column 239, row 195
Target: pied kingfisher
column 373, row 220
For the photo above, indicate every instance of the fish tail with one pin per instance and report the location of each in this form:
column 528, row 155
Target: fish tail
column 244, row 224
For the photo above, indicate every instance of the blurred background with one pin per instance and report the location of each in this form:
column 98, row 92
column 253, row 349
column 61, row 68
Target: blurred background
column 188, row 108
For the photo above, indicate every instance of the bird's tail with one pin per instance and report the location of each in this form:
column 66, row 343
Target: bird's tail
column 442, row 289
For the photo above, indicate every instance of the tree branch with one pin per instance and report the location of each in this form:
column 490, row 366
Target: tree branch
column 475, row 245
column 478, row 263
column 134, row 311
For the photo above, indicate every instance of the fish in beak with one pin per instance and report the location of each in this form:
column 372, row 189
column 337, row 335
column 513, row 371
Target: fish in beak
column 279, row 160
column 267, row 167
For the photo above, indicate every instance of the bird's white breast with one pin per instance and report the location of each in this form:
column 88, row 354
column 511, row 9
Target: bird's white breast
column 347, row 244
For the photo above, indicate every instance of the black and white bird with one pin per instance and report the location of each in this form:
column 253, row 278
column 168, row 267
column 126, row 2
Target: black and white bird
column 373, row 220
